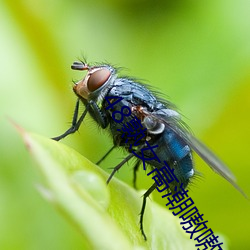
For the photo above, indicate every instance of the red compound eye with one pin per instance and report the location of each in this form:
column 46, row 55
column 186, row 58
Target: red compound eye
column 97, row 79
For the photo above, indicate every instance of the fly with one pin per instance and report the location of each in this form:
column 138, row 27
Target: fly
column 101, row 88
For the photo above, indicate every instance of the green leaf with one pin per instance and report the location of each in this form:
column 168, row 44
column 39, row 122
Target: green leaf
column 106, row 215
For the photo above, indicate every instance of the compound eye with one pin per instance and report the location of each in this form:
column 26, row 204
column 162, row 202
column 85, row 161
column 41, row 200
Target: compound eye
column 97, row 79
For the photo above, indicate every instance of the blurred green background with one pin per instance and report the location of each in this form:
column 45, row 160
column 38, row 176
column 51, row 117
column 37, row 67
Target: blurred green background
column 195, row 52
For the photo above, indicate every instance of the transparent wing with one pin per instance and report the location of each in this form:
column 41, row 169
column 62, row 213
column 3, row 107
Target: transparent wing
column 172, row 121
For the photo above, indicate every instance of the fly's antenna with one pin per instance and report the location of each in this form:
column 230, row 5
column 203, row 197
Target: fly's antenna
column 80, row 66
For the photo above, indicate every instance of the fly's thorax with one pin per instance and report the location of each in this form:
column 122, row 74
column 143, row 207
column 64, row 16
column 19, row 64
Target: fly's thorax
column 94, row 85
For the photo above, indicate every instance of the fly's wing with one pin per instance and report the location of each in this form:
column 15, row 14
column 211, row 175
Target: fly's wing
column 172, row 121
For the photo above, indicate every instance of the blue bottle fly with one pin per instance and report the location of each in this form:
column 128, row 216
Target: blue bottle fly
column 114, row 101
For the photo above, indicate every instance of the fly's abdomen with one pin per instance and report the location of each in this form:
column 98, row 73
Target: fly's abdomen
column 177, row 154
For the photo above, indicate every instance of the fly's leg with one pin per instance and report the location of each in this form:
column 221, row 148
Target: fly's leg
column 136, row 167
column 105, row 155
column 75, row 124
column 116, row 168
column 98, row 114
column 145, row 196
column 91, row 107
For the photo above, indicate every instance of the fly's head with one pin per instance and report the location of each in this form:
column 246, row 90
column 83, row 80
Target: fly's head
column 96, row 79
